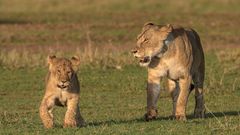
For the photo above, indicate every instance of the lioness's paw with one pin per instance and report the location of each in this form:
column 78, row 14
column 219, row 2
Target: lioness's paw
column 181, row 117
column 151, row 115
column 199, row 113
column 82, row 124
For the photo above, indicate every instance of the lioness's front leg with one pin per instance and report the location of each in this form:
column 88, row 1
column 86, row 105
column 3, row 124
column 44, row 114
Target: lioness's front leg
column 184, row 84
column 73, row 117
column 45, row 111
column 153, row 91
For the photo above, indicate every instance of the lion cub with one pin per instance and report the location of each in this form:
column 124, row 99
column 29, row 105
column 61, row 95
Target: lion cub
column 62, row 89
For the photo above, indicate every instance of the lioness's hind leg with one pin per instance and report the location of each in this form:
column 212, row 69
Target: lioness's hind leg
column 173, row 88
column 199, row 111
column 184, row 85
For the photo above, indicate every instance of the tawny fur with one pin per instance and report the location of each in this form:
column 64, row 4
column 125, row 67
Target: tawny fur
column 176, row 53
column 62, row 89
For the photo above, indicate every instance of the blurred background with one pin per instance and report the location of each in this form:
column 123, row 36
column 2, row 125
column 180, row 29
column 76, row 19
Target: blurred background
column 103, row 32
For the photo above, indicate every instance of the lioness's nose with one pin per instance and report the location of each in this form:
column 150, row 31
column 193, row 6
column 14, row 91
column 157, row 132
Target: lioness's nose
column 134, row 51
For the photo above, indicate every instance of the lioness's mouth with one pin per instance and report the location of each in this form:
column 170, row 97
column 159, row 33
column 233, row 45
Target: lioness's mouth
column 62, row 86
column 145, row 59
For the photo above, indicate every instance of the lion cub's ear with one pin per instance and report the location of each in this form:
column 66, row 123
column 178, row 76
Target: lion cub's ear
column 75, row 60
column 50, row 60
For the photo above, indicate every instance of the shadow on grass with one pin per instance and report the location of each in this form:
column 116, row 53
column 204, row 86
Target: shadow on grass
column 222, row 114
column 141, row 120
column 217, row 114
column 136, row 120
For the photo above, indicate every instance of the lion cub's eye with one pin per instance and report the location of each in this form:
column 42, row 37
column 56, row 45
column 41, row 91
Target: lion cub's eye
column 69, row 72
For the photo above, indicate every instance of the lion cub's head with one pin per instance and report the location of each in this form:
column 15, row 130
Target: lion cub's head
column 151, row 42
column 62, row 70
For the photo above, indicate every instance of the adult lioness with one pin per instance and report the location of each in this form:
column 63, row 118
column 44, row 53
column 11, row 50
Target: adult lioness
column 176, row 53
column 62, row 89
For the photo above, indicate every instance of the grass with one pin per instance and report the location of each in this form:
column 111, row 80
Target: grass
column 118, row 108
column 113, row 86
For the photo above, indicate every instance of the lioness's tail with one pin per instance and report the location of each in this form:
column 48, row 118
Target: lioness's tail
column 197, row 37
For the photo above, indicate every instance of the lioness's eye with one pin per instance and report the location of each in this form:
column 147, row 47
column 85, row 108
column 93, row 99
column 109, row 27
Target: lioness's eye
column 145, row 40
column 58, row 71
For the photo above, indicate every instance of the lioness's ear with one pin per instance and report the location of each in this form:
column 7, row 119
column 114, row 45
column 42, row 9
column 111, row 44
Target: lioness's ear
column 50, row 59
column 147, row 25
column 164, row 31
column 169, row 28
column 75, row 60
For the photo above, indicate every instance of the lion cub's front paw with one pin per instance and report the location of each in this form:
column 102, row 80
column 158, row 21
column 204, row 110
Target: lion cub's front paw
column 151, row 115
column 48, row 124
column 69, row 124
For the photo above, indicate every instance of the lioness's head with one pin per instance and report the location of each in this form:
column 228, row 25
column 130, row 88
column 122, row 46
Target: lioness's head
column 152, row 42
column 62, row 70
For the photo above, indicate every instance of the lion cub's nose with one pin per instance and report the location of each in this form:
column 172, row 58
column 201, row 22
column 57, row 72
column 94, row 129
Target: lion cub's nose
column 64, row 81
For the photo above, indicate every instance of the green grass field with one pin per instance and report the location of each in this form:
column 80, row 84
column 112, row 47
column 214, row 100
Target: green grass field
column 113, row 95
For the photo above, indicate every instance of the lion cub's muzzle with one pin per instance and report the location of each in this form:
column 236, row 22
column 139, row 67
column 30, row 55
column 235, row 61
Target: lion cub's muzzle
column 63, row 84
